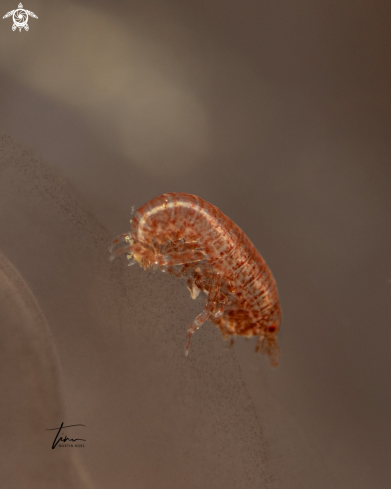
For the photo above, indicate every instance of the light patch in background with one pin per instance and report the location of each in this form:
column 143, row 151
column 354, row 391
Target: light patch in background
column 107, row 71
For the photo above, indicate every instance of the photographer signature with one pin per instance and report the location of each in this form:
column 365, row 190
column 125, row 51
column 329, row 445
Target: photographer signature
column 57, row 439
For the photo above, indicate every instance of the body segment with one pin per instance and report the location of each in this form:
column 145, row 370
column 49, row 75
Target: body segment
column 188, row 237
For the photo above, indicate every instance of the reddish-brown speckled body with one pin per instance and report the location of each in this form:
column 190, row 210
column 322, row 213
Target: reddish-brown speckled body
column 186, row 236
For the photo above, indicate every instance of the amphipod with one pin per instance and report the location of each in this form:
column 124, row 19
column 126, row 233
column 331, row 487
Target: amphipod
column 188, row 237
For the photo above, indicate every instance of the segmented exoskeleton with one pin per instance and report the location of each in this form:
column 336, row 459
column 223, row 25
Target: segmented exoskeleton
column 186, row 236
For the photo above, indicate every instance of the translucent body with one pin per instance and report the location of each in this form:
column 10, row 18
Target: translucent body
column 186, row 236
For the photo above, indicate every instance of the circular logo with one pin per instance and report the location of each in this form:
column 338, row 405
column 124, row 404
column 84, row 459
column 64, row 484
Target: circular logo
column 20, row 18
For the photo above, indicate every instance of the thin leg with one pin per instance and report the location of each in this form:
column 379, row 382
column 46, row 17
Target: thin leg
column 188, row 268
column 180, row 258
column 192, row 288
column 209, row 305
column 169, row 259
column 172, row 271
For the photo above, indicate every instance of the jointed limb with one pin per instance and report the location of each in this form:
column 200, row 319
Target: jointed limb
column 209, row 306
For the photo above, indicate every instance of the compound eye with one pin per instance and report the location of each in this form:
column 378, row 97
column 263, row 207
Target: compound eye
column 272, row 328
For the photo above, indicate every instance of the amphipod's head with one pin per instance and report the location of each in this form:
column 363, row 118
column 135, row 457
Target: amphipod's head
column 135, row 252
column 268, row 340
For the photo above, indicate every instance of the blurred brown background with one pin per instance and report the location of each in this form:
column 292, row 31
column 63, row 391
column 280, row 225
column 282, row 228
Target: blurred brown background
column 278, row 113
